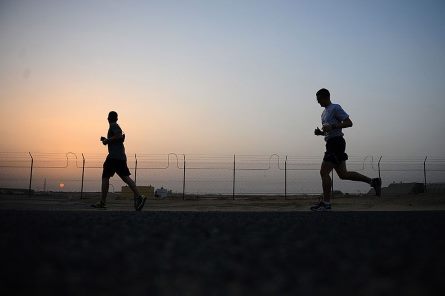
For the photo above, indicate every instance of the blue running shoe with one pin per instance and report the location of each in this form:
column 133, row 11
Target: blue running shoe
column 321, row 207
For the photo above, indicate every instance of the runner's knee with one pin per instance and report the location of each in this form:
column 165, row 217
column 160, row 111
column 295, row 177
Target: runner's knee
column 324, row 173
column 342, row 175
column 127, row 180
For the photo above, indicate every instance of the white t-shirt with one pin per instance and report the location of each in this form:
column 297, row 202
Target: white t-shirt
column 333, row 114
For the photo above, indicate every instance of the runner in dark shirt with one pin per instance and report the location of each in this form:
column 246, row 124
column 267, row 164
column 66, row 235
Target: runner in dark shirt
column 116, row 162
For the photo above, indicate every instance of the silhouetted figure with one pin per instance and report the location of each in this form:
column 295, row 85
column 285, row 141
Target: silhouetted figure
column 116, row 162
column 334, row 119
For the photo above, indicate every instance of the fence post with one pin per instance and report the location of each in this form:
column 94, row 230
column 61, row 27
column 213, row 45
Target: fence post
column 233, row 184
column 424, row 172
column 135, row 169
column 380, row 159
column 83, row 174
column 183, row 182
column 380, row 177
column 30, row 177
column 285, row 178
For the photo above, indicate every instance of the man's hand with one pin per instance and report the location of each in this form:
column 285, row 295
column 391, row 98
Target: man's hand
column 318, row 132
column 327, row 128
column 104, row 140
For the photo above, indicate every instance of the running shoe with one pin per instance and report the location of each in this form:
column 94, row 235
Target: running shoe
column 320, row 207
column 376, row 183
column 137, row 201
column 140, row 202
column 99, row 205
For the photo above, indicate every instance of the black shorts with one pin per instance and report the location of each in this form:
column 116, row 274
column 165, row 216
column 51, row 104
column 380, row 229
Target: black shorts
column 335, row 150
column 112, row 166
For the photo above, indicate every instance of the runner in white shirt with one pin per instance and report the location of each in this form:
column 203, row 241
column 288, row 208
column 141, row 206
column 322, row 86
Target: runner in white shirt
column 334, row 119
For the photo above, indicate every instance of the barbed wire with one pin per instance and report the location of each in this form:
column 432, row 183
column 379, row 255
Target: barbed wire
column 213, row 162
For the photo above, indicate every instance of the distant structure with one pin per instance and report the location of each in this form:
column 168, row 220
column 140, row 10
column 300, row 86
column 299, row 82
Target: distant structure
column 402, row 188
column 337, row 193
column 15, row 191
column 435, row 188
column 148, row 191
column 162, row 193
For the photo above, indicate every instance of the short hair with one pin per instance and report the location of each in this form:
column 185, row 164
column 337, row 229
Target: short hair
column 323, row 93
column 112, row 116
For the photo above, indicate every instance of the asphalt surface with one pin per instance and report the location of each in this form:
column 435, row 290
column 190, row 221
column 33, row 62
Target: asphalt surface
column 221, row 253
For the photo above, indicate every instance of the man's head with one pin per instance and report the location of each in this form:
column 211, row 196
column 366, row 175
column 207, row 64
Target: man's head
column 323, row 97
column 112, row 116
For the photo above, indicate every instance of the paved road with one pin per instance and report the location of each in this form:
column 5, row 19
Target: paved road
column 221, row 253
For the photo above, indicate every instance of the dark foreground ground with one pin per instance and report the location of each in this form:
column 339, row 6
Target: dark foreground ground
column 221, row 253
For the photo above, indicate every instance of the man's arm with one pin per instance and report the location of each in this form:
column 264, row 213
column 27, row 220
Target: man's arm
column 343, row 124
column 116, row 137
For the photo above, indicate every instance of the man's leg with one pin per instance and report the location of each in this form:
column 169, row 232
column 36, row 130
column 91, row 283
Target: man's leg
column 131, row 184
column 344, row 174
column 325, row 171
column 105, row 186
column 107, row 173
column 139, row 200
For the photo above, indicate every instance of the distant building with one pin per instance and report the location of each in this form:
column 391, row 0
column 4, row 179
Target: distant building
column 337, row 193
column 401, row 189
column 148, row 191
column 435, row 188
column 162, row 192
column 15, row 191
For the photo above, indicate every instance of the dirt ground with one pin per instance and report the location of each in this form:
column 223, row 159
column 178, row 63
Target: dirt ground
column 67, row 202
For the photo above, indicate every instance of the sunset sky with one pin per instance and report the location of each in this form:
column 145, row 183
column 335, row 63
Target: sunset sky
column 221, row 76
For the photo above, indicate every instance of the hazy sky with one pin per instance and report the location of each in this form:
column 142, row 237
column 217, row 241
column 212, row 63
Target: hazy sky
column 222, row 76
